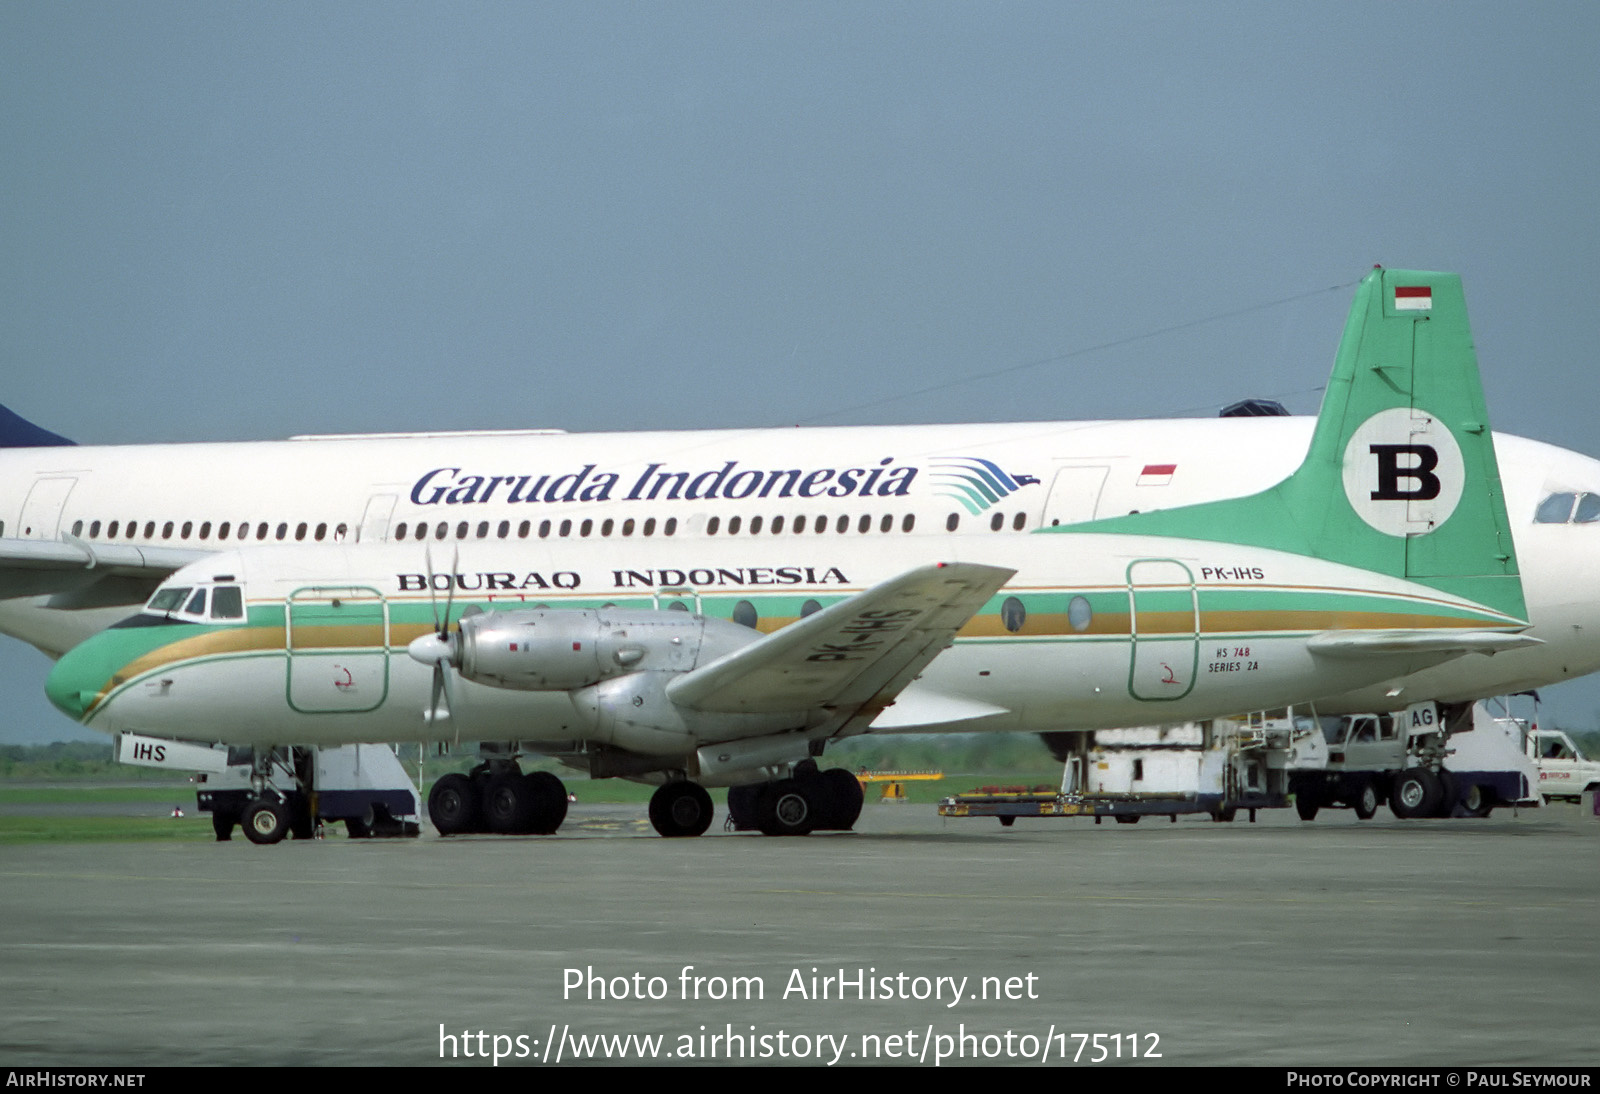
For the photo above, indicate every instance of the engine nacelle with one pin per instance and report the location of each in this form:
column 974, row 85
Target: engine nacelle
column 616, row 665
column 633, row 712
column 541, row 649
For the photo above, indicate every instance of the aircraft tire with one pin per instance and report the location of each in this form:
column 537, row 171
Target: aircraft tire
column 508, row 804
column 453, row 805
column 549, row 797
column 1415, row 793
column 742, row 804
column 681, row 809
column 222, row 824
column 787, row 808
column 1366, row 800
column 266, row 822
column 1447, row 795
column 841, row 791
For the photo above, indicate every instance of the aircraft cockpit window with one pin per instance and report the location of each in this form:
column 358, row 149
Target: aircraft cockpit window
column 187, row 603
column 1568, row 508
column 1555, row 509
column 168, row 600
column 227, row 602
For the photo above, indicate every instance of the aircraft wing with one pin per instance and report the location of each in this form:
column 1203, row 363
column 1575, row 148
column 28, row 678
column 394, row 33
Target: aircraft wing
column 852, row 658
column 1349, row 644
column 36, row 567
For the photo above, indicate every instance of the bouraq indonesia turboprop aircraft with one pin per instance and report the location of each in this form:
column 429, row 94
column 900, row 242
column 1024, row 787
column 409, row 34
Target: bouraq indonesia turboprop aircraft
column 800, row 606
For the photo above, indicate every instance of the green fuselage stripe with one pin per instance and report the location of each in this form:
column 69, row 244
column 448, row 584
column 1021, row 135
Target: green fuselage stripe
column 127, row 654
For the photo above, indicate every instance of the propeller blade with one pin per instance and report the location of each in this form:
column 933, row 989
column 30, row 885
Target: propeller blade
column 440, row 648
column 433, row 589
column 450, row 596
column 447, row 678
column 438, row 687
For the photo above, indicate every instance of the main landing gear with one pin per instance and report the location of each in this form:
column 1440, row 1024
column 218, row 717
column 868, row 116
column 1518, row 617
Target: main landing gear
column 681, row 808
column 498, row 797
column 808, row 802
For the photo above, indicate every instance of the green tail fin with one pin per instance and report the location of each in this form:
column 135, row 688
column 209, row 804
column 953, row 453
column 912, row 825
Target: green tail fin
column 1401, row 476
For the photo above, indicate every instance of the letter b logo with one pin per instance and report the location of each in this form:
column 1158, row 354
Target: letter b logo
column 1403, row 472
column 1418, row 472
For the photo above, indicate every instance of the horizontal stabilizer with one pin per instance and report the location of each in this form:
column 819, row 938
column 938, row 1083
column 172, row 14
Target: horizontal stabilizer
column 1351, row 644
column 860, row 651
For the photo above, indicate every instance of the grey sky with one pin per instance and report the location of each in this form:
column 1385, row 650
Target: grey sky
column 228, row 221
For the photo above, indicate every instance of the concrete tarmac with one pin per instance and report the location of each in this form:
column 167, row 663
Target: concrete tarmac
column 1335, row 942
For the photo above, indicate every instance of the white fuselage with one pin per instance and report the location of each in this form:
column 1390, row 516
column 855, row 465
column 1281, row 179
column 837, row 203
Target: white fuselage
column 889, row 498
column 1143, row 649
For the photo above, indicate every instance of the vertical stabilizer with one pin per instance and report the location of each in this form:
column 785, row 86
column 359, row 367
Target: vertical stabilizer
column 1401, row 476
column 17, row 432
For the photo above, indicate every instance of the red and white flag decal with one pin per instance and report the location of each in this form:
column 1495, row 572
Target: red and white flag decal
column 1157, row 474
column 1413, row 297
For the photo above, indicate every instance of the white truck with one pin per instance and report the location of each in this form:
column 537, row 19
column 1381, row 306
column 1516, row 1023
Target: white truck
column 1422, row 763
column 1217, row 767
column 1564, row 771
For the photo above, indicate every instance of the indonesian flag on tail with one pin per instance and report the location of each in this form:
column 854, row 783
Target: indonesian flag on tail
column 1413, row 298
column 1157, row 474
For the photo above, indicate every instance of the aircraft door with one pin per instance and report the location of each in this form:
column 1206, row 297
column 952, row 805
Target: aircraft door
column 375, row 521
column 337, row 641
column 41, row 512
column 1165, row 629
column 1074, row 495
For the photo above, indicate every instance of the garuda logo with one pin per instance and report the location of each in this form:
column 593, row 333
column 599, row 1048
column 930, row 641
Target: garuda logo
column 976, row 483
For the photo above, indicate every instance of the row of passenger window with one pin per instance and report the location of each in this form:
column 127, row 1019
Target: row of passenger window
column 585, row 527
column 714, row 526
column 283, row 530
column 187, row 530
column 1013, row 613
column 841, row 524
column 863, row 524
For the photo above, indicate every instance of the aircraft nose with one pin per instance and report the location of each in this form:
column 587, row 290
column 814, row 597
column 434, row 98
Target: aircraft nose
column 79, row 677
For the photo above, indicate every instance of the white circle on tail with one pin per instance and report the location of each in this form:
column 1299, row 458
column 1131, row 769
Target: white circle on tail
column 1403, row 472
